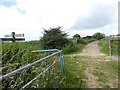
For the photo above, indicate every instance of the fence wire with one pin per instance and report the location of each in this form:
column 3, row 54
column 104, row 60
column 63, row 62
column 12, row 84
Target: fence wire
column 36, row 69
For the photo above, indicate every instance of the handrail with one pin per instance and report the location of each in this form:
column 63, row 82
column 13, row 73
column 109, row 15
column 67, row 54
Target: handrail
column 31, row 64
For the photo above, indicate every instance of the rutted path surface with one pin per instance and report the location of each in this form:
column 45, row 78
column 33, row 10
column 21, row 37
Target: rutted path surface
column 92, row 50
column 99, row 69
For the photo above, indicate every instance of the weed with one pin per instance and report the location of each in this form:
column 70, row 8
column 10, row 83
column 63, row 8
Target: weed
column 104, row 85
column 75, row 73
column 101, row 76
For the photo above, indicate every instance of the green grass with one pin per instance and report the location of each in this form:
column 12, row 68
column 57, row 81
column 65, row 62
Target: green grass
column 75, row 68
column 115, row 48
column 105, row 85
column 101, row 76
column 74, row 48
column 11, row 63
column 77, row 48
column 104, row 47
column 111, row 66
column 75, row 74
column 107, row 72
column 22, row 57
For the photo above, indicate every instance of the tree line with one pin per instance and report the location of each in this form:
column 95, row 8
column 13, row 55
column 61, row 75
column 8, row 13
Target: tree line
column 55, row 38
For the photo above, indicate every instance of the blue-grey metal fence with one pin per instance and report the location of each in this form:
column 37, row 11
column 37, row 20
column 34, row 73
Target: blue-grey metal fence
column 56, row 52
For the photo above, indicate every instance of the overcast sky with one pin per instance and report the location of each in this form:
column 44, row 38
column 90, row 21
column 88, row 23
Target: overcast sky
column 84, row 17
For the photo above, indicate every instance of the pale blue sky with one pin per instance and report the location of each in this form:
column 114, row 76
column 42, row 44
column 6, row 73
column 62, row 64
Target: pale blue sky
column 8, row 4
column 84, row 17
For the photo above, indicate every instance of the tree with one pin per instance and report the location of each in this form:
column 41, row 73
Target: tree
column 54, row 38
column 98, row 35
column 88, row 37
column 118, row 35
column 77, row 36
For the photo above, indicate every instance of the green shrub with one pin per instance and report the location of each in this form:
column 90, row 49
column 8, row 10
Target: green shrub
column 54, row 38
column 70, row 48
column 81, row 41
column 11, row 63
column 76, row 47
column 89, row 41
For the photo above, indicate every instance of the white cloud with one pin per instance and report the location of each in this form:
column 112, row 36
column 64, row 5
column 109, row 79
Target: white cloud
column 48, row 13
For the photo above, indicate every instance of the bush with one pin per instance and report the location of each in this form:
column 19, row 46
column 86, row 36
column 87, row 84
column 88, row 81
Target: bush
column 70, row 48
column 98, row 35
column 54, row 38
column 81, row 41
column 89, row 41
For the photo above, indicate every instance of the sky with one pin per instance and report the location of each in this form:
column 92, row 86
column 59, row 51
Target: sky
column 84, row 17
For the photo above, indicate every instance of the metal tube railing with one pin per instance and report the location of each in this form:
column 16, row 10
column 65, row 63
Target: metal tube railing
column 38, row 76
column 29, row 65
column 45, row 50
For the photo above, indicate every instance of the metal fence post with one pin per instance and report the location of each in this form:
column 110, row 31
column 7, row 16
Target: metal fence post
column 62, row 62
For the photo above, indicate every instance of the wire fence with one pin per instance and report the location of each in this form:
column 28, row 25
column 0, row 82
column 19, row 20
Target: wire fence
column 25, row 69
column 114, row 47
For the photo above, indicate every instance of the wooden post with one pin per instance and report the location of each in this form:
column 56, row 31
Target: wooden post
column 110, row 47
column 13, row 36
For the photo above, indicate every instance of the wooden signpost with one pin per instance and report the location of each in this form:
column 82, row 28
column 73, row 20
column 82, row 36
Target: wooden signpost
column 13, row 37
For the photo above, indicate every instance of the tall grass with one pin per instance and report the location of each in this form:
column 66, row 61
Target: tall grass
column 104, row 47
column 77, row 47
column 74, row 48
column 18, row 55
column 75, row 76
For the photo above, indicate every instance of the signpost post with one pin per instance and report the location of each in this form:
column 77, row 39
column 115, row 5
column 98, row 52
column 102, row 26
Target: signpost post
column 13, row 37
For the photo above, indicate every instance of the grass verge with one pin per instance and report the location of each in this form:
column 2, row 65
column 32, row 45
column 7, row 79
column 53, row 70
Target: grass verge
column 101, row 76
column 107, row 73
column 75, row 74
column 73, row 49
column 104, row 46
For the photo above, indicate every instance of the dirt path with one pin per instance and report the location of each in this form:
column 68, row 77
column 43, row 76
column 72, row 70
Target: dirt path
column 92, row 50
column 98, row 68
